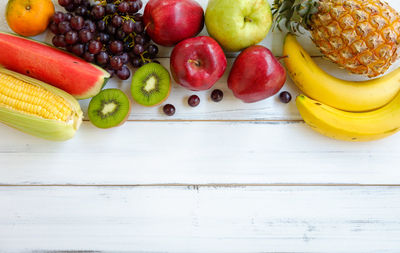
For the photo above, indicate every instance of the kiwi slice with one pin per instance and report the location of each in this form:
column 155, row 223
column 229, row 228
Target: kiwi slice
column 151, row 85
column 109, row 108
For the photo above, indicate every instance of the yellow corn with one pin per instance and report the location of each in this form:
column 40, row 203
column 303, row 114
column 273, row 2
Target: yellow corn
column 28, row 98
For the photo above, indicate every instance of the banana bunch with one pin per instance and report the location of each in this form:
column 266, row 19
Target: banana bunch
column 344, row 110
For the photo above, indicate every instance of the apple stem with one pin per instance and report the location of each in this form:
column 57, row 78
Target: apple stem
column 247, row 19
column 145, row 28
column 282, row 57
column 196, row 62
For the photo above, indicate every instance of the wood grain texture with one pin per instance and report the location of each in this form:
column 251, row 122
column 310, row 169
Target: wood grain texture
column 205, row 219
column 197, row 153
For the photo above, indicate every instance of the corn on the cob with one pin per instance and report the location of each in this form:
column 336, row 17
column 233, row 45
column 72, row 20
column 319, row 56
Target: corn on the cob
column 37, row 108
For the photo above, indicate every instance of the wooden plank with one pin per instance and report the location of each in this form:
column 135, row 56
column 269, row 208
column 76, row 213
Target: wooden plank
column 197, row 153
column 179, row 219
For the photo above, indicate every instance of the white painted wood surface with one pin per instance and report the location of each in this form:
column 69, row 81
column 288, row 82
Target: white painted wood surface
column 197, row 153
column 205, row 219
column 274, row 185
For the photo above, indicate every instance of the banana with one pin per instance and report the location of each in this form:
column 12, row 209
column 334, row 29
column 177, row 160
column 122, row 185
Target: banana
column 340, row 94
column 351, row 126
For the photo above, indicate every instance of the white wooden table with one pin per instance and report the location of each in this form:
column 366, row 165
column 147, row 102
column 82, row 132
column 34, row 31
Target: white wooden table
column 227, row 177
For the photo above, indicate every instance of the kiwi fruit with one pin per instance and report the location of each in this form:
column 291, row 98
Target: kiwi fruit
column 151, row 85
column 109, row 108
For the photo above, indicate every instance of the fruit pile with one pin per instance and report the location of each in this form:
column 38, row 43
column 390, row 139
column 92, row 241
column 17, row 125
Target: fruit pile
column 366, row 42
column 110, row 34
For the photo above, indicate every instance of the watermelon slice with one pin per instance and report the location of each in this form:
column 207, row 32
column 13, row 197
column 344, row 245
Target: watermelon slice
column 51, row 65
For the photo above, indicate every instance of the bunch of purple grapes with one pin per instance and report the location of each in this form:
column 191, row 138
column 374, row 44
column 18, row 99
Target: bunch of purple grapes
column 110, row 34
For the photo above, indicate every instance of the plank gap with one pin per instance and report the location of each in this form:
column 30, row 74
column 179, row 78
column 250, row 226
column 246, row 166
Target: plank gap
column 212, row 120
column 196, row 186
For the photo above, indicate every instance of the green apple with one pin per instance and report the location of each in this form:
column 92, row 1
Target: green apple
column 238, row 24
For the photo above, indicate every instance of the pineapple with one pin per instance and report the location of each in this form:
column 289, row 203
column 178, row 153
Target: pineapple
column 362, row 36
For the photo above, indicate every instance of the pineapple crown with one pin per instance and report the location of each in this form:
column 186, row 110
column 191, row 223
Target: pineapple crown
column 294, row 13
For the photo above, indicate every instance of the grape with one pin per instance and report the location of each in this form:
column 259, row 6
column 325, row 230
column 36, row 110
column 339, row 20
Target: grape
column 101, row 25
column 98, row 12
column 111, row 30
column 89, row 36
column 138, row 17
column 86, row 3
column 54, row 28
column 133, row 7
column 111, row 9
column 87, row 56
column 116, row 21
column 138, row 49
column 67, row 16
column 127, row 46
column 116, row 63
column 136, row 62
column 95, row 46
column 139, row 28
column 146, row 37
column 85, row 35
column 59, row 41
column 102, row 58
column 217, row 95
column 169, row 109
column 64, row 3
column 285, row 97
column 194, row 100
column 120, row 34
column 71, row 37
column 90, row 25
column 78, row 49
column 69, row 48
column 123, row 7
column 70, row 7
column 123, row 73
column 116, row 47
column 152, row 50
column 139, row 39
column 131, row 54
column 58, row 17
column 128, row 26
column 81, row 11
column 64, row 27
column 77, row 23
column 104, row 38
column 124, row 57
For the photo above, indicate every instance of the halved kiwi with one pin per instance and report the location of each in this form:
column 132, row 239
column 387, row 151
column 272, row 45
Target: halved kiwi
column 109, row 108
column 151, row 85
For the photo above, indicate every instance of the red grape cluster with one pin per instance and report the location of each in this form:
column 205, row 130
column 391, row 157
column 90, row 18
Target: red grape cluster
column 110, row 34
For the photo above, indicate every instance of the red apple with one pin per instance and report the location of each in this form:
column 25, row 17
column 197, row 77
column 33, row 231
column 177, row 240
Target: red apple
column 256, row 75
column 171, row 21
column 198, row 63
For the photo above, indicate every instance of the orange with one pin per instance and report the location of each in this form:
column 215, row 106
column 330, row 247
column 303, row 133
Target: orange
column 29, row 17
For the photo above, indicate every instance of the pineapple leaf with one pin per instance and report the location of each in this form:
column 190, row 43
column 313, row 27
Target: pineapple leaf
column 294, row 13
